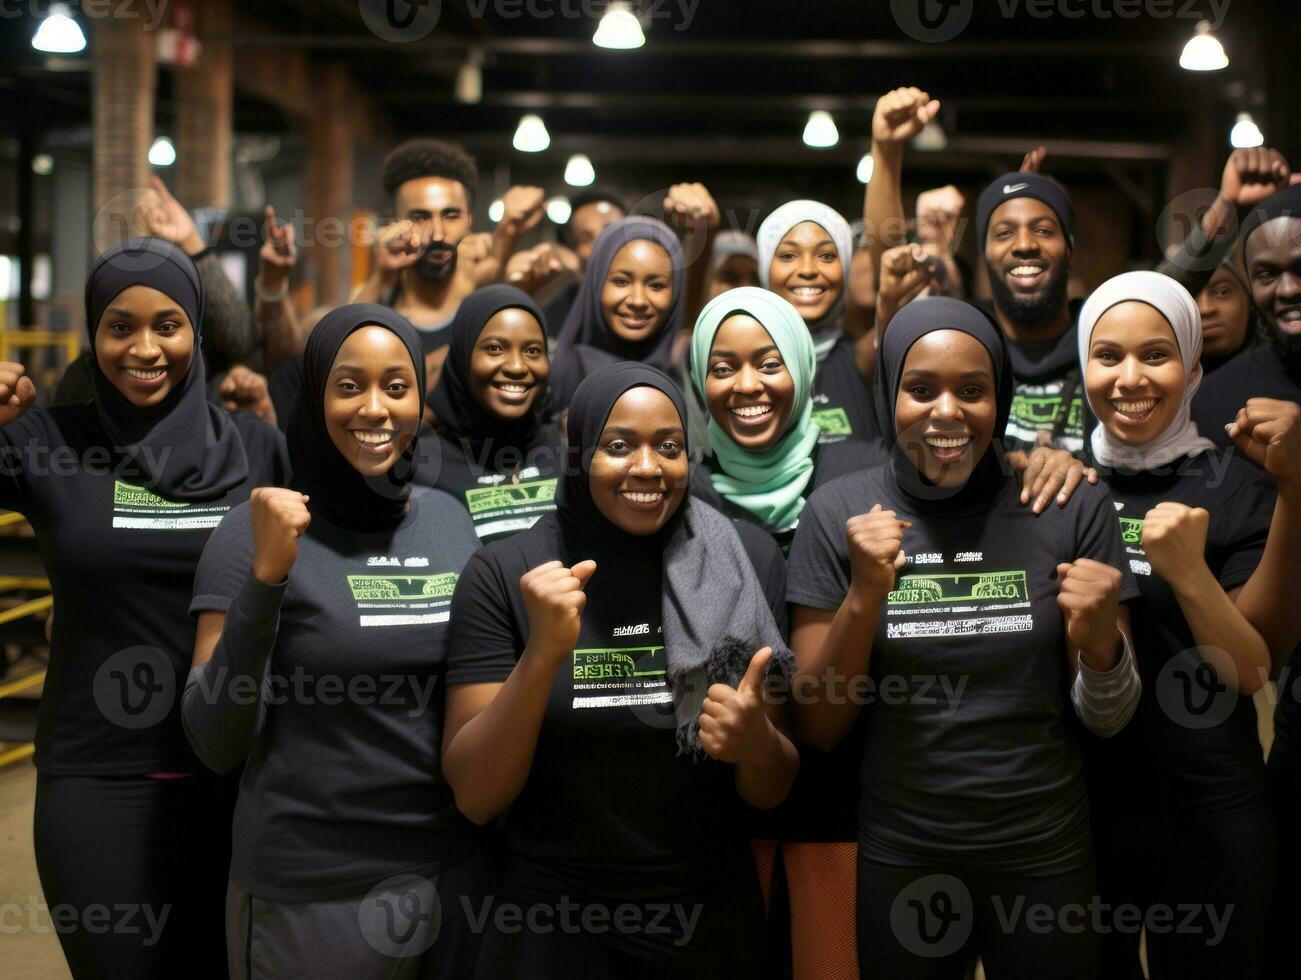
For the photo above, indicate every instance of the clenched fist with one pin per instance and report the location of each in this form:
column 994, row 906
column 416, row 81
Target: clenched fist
column 733, row 724
column 875, row 552
column 533, row 268
column 901, row 114
column 1089, row 598
column 280, row 517
column 477, row 261
column 554, row 599
column 1174, row 538
column 689, row 206
column 522, row 208
column 1268, row 431
column 397, row 246
column 17, row 392
column 244, row 388
column 1254, row 174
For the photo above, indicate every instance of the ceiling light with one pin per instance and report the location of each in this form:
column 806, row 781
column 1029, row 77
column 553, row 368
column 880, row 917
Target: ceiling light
column 1203, row 52
column 579, row 171
column 59, row 33
column 531, row 136
column 619, row 29
column 820, row 131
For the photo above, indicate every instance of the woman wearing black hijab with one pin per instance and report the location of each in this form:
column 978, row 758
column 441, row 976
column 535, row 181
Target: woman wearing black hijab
column 491, row 448
column 331, row 600
column 629, row 307
column 972, row 789
column 605, row 673
column 123, row 493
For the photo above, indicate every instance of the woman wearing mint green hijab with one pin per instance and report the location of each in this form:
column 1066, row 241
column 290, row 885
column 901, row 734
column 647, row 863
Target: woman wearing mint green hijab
column 753, row 367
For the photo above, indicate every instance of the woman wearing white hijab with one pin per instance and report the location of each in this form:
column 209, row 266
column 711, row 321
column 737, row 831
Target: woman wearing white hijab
column 804, row 254
column 1179, row 809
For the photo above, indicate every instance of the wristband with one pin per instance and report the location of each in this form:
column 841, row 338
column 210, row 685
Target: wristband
column 269, row 297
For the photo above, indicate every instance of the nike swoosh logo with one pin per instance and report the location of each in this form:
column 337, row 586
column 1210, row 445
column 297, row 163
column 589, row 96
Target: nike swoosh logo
column 1013, row 188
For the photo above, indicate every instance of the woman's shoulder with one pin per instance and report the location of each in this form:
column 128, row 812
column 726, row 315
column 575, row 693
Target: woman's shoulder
column 853, row 492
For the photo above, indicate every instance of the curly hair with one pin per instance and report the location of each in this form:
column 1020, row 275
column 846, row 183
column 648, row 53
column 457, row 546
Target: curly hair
column 430, row 158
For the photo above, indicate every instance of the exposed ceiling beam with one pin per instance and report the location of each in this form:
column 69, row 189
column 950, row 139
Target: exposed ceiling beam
column 784, row 48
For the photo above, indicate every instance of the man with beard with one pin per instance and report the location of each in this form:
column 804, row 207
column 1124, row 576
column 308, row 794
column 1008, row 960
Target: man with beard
column 1252, row 391
column 425, row 261
column 1023, row 228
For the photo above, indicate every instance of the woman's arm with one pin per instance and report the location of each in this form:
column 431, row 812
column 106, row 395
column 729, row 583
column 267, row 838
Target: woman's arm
column 1268, row 431
column 225, row 695
column 491, row 730
column 833, row 650
column 1174, row 538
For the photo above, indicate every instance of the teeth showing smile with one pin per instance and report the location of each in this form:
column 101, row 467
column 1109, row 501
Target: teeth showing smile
column 752, row 411
column 1134, row 408
column 947, row 442
column 808, row 292
column 152, row 374
column 373, row 437
column 510, row 387
column 640, row 497
column 1026, row 271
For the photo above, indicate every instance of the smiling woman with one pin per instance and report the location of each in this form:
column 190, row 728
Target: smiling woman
column 341, row 810
column 629, row 307
column 596, row 634
column 805, row 249
column 149, row 468
column 492, row 448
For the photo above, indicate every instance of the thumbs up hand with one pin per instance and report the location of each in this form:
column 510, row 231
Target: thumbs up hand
column 734, row 726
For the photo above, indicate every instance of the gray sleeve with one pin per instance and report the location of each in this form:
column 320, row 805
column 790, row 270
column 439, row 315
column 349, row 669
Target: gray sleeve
column 1105, row 700
column 225, row 700
column 228, row 328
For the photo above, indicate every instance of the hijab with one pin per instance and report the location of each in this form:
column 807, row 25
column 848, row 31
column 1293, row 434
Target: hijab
column 774, row 228
column 186, row 447
column 768, row 484
column 586, row 340
column 919, row 318
column 1179, row 309
column 339, row 492
column 713, row 611
column 460, row 416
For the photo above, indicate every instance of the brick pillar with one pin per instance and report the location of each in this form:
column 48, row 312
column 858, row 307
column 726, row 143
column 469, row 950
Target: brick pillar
column 329, row 185
column 122, row 92
column 205, row 99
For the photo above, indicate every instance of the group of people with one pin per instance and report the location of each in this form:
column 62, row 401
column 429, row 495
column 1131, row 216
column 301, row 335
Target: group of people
column 651, row 605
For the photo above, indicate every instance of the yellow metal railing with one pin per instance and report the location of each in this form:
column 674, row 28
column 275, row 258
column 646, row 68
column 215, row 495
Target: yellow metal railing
column 10, row 754
column 10, row 340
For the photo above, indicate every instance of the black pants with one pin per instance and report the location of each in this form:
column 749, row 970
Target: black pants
column 134, row 872
column 1285, row 909
column 929, row 923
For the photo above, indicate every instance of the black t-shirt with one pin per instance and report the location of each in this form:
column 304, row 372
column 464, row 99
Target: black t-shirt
column 342, row 787
column 842, row 400
column 610, row 811
column 504, row 491
column 968, row 754
column 830, row 461
column 1258, row 373
column 1198, row 746
column 121, row 563
column 1048, row 398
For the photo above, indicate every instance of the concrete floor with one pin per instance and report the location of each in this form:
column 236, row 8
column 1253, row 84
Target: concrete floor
column 30, row 948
